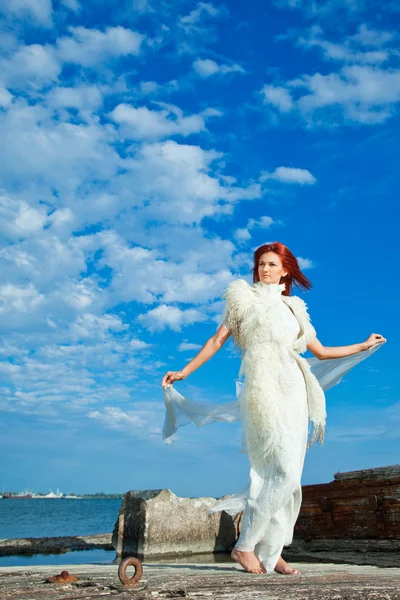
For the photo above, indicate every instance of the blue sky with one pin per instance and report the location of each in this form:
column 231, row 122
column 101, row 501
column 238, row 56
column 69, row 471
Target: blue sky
column 147, row 148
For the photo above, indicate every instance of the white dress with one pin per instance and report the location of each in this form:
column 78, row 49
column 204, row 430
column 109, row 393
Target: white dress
column 273, row 497
column 273, row 379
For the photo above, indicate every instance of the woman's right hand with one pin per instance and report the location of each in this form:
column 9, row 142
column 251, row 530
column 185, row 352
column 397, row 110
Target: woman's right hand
column 373, row 339
column 172, row 376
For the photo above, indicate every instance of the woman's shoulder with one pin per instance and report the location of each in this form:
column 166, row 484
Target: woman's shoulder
column 239, row 284
column 237, row 288
column 296, row 300
column 297, row 303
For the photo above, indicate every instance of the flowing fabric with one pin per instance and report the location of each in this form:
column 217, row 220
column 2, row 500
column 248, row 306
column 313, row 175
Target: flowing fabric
column 182, row 411
column 273, row 405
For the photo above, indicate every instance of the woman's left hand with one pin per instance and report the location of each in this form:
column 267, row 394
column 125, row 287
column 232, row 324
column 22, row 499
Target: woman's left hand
column 373, row 339
column 170, row 377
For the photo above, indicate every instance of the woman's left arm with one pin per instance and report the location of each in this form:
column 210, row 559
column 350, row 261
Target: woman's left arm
column 324, row 352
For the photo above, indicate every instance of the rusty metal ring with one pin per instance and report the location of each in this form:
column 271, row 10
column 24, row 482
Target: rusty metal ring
column 123, row 577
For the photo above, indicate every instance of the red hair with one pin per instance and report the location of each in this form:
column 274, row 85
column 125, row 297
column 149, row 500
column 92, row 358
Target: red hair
column 289, row 263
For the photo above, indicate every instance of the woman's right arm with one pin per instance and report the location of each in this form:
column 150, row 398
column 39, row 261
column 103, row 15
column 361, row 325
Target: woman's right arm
column 325, row 352
column 212, row 345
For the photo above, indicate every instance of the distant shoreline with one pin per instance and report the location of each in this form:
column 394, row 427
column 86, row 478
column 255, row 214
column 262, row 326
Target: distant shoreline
column 68, row 497
column 54, row 545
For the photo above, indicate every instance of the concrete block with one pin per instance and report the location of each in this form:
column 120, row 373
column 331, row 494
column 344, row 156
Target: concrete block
column 157, row 523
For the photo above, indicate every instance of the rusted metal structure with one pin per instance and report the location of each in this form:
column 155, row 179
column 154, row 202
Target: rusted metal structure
column 356, row 505
column 353, row 519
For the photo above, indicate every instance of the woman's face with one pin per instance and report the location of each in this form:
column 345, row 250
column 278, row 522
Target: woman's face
column 270, row 269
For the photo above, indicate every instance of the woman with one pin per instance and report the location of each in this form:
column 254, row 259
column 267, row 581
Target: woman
column 282, row 393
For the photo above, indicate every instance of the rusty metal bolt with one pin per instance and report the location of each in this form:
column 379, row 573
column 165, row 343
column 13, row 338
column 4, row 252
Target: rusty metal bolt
column 64, row 577
column 123, row 577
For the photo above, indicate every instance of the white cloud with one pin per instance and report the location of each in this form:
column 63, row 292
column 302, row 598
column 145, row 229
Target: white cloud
column 143, row 123
column 149, row 87
column 141, row 421
column 19, row 219
column 5, row 98
column 71, row 4
column 196, row 31
column 38, row 10
column 96, row 326
column 29, row 220
column 367, row 46
column 91, row 47
column 80, row 295
column 354, row 84
column 46, row 261
column 76, row 356
column 71, row 376
column 290, row 175
column 373, row 37
column 363, row 93
column 278, row 96
column 185, row 346
column 9, row 369
column 56, row 155
column 167, row 181
column 142, row 6
column 81, row 97
column 164, row 316
column 30, row 66
column 207, row 68
column 22, row 299
column 166, row 281
column 364, row 90
column 196, row 288
column 263, row 222
column 128, row 265
column 152, row 89
column 116, row 418
column 305, row 263
column 327, row 9
column 243, row 235
column 203, row 9
column 178, row 181
column 204, row 252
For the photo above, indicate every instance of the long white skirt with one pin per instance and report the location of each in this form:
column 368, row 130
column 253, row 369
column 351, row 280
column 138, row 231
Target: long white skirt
column 271, row 501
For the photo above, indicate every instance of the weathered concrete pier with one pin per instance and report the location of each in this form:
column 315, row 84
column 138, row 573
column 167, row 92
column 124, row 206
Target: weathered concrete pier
column 347, row 546
column 224, row 581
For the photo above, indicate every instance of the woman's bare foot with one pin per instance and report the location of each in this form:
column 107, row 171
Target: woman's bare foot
column 282, row 567
column 248, row 560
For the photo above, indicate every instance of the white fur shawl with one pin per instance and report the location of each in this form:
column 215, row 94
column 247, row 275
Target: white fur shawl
column 242, row 301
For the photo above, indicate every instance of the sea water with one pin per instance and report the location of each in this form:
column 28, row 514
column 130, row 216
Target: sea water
column 58, row 517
